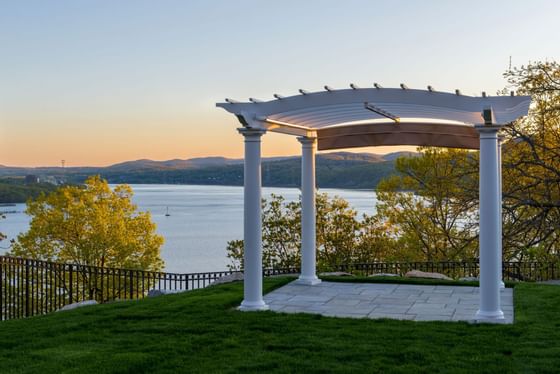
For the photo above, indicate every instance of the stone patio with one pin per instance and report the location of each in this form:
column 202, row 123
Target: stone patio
column 377, row 300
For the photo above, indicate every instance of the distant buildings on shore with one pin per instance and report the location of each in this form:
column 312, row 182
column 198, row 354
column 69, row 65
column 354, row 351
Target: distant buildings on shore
column 32, row 179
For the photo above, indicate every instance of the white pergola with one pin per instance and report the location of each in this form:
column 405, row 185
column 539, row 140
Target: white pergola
column 360, row 117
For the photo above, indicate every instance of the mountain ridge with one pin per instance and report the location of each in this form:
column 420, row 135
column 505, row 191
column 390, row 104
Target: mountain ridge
column 333, row 170
column 198, row 162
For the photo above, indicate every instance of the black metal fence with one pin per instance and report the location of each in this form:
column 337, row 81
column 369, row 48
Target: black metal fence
column 512, row 271
column 32, row 287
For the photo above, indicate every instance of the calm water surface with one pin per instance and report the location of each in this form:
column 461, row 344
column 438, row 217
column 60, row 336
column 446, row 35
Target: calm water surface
column 202, row 220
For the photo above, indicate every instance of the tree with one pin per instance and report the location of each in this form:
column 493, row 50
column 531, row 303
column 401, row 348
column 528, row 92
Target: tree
column 341, row 237
column 532, row 166
column 439, row 221
column 432, row 204
column 90, row 225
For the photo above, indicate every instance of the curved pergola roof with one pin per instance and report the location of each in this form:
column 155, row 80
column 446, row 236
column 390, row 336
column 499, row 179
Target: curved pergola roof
column 360, row 117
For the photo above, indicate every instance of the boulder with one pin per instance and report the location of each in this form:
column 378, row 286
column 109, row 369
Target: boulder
column 156, row 293
column 468, row 279
column 78, row 305
column 423, row 274
column 229, row 278
column 384, row 275
column 336, row 274
column 285, row 275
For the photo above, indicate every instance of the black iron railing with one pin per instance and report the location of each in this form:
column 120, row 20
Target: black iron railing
column 32, row 287
column 512, row 271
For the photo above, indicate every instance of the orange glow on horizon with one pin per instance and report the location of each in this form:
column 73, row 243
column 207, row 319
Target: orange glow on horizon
column 103, row 139
column 46, row 148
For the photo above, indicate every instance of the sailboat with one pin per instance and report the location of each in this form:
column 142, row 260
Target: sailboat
column 167, row 212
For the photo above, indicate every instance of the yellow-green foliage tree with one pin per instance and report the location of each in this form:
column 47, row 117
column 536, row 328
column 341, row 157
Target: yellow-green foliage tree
column 432, row 205
column 91, row 225
column 438, row 221
column 532, row 167
column 342, row 238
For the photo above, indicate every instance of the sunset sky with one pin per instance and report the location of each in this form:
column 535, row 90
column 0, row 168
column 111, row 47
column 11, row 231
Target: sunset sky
column 100, row 82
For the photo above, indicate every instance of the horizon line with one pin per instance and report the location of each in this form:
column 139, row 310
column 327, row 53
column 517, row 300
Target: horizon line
column 181, row 159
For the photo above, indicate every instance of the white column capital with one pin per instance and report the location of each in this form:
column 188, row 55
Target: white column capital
column 488, row 129
column 307, row 141
column 250, row 133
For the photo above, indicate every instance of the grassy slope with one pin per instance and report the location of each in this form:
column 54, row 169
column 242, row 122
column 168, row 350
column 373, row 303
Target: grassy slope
column 201, row 332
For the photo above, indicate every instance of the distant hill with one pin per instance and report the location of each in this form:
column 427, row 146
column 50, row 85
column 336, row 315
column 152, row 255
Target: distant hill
column 15, row 190
column 349, row 156
column 176, row 164
column 393, row 156
column 334, row 170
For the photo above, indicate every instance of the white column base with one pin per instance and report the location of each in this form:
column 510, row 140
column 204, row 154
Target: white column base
column 489, row 317
column 253, row 306
column 308, row 281
column 502, row 285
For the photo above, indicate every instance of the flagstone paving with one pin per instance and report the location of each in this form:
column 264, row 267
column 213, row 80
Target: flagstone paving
column 377, row 300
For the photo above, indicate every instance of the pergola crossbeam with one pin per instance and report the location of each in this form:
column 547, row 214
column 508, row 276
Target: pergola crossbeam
column 381, row 112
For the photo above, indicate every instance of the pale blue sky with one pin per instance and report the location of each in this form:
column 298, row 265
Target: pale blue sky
column 97, row 82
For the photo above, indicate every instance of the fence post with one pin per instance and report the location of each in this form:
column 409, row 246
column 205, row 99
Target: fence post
column 2, row 288
column 70, row 287
column 26, row 264
column 131, row 285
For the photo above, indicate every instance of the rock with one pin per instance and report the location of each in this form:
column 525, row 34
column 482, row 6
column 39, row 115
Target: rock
column 384, row 275
column 336, row 274
column 229, row 278
column 468, row 279
column 156, row 293
column 78, row 305
column 423, row 274
column 285, row 275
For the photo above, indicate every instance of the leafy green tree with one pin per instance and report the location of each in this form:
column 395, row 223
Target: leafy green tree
column 341, row 237
column 532, row 166
column 432, row 205
column 439, row 220
column 90, row 225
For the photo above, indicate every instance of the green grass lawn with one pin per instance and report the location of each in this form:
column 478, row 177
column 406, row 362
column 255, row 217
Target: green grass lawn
column 200, row 331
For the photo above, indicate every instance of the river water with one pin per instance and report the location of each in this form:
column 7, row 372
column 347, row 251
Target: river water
column 202, row 220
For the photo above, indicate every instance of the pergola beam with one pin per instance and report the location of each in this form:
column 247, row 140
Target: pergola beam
column 381, row 112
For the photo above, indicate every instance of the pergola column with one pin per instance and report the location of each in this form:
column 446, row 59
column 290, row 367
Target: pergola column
column 500, row 199
column 490, row 309
column 252, row 222
column 308, row 235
